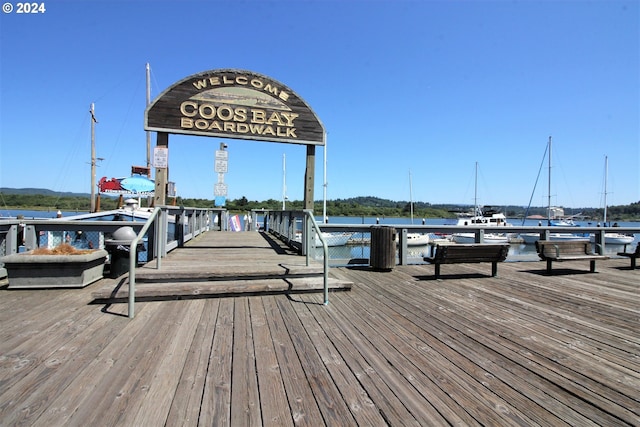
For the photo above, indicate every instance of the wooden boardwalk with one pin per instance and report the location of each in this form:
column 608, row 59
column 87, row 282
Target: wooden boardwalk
column 399, row 348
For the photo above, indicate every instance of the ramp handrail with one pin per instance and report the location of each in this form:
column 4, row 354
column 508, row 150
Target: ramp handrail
column 325, row 250
column 133, row 257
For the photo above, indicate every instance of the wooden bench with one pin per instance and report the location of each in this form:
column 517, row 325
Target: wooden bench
column 570, row 250
column 632, row 255
column 468, row 253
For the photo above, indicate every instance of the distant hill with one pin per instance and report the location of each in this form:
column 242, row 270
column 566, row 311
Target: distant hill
column 363, row 205
column 41, row 191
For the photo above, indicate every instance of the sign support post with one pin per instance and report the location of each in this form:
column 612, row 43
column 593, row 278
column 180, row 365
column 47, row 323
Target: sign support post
column 162, row 173
column 309, row 177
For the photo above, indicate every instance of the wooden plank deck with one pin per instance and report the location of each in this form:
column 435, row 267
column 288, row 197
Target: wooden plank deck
column 400, row 348
column 224, row 264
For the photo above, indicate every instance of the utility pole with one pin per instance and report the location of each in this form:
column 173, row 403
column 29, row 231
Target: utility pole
column 148, row 132
column 93, row 158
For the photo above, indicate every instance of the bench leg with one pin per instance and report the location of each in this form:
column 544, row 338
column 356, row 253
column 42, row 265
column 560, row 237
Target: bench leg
column 549, row 266
column 494, row 269
column 437, row 273
column 592, row 265
column 633, row 263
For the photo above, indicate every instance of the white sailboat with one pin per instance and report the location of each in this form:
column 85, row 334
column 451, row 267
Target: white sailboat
column 480, row 218
column 531, row 238
column 610, row 238
column 415, row 239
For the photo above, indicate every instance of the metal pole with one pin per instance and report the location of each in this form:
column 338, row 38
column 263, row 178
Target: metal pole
column 549, row 188
column 284, row 180
column 606, row 172
column 148, row 132
column 324, row 195
column 411, row 196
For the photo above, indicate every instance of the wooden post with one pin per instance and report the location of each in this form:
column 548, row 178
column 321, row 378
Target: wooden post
column 309, row 177
column 162, row 174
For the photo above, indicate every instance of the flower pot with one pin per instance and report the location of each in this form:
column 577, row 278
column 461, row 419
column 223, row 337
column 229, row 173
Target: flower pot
column 28, row 271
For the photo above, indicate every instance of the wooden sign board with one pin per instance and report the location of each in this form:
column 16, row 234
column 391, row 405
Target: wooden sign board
column 237, row 104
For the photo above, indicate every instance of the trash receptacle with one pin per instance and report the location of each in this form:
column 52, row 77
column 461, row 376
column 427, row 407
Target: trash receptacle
column 118, row 248
column 382, row 255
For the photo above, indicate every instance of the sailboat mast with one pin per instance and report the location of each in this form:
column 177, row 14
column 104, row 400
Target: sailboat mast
column 475, row 193
column 549, row 188
column 148, row 133
column 411, row 195
column 606, row 173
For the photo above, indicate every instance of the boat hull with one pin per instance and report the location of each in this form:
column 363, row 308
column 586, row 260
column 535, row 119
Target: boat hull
column 531, row 238
column 488, row 238
column 334, row 239
column 614, row 239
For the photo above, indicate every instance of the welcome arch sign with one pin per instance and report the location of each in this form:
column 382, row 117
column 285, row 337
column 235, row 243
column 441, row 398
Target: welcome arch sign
column 238, row 104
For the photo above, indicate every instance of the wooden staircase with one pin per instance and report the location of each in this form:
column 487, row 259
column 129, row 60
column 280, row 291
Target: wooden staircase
column 223, row 264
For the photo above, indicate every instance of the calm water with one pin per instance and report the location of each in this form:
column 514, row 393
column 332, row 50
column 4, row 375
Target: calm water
column 517, row 252
column 12, row 213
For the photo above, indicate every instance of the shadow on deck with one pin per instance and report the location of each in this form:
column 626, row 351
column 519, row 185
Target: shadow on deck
column 221, row 265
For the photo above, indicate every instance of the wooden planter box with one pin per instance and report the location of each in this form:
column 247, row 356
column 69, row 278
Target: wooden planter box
column 26, row 271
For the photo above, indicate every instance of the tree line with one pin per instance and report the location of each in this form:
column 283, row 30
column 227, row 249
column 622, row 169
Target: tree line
column 368, row 206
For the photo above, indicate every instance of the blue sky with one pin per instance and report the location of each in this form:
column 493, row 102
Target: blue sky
column 404, row 88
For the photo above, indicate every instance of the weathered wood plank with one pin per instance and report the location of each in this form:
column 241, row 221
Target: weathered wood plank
column 185, row 407
column 304, row 408
column 273, row 397
column 159, row 390
column 91, row 380
column 355, row 396
column 329, row 400
column 122, row 389
column 216, row 399
column 245, row 405
column 346, row 339
column 72, row 342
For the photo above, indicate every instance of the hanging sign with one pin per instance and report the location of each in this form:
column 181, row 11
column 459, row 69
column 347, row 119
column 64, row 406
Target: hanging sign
column 161, row 157
column 220, row 189
column 137, row 185
column 221, row 162
column 237, row 104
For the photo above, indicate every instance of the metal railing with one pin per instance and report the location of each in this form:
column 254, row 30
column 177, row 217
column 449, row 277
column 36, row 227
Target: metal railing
column 311, row 223
column 22, row 235
column 133, row 256
column 288, row 226
column 299, row 229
